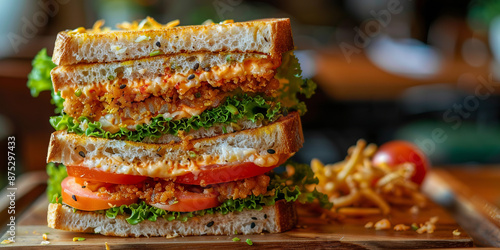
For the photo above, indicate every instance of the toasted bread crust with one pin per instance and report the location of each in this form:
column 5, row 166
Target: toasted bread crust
column 273, row 219
column 274, row 37
column 283, row 136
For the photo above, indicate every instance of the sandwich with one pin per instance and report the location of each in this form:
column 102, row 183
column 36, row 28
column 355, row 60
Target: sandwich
column 168, row 130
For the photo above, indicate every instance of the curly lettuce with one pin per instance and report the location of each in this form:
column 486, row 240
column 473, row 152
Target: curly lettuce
column 242, row 106
column 282, row 187
column 39, row 79
column 293, row 85
column 302, row 178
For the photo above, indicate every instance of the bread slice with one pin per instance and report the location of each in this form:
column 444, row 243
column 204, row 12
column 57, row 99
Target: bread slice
column 280, row 217
column 284, row 136
column 220, row 66
column 266, row 36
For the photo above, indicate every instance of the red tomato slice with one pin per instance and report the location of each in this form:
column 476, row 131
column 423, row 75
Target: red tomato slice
column 216, row 173
column 82, row 198
column 394, row 153
column 188, row 201
column 92, row 174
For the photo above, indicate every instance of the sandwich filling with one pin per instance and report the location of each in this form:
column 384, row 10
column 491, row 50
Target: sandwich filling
column 133, row 99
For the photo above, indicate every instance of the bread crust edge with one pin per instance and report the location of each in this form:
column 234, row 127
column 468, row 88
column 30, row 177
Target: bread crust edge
column 66, row 45
column 64, row 218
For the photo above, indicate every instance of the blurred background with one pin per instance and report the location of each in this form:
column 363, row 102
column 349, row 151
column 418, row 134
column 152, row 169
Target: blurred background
column 420, row 70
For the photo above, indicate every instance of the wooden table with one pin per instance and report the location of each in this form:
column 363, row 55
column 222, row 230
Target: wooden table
column 478, row 227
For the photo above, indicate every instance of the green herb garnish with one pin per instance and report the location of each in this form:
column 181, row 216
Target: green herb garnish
column 232, row 109
column 155, row 53
column 249, row 242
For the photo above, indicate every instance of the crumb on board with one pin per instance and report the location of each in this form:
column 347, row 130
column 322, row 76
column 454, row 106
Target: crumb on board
column 171, row 236
column 383, row 224
column 45, row 236
column 429, row 226
column 107, row 246
column 369, row 224
column 401, row 227
column 456, row 232
column 4, row 242
column 45, row 242
column 249, row 242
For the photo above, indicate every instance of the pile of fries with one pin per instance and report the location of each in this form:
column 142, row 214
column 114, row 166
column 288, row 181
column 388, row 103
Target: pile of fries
column 357, row 187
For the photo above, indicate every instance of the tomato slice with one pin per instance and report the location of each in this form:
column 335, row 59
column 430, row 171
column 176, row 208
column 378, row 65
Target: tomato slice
column 83, row 198
column 212, row 174
column 189, row 201
column 92, row 174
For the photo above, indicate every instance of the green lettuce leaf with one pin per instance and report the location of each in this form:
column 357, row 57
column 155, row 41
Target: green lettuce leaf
column 295, row 86
column 302, row 178
column 241, row 106
column 56, row 173
column 39, row 79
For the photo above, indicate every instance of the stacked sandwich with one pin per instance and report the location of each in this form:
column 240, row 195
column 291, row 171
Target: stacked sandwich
column 174, row 130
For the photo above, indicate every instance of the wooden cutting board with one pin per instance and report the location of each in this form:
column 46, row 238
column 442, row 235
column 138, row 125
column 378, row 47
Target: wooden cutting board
column 312, row 232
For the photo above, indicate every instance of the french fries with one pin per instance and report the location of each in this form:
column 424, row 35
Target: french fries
column 357, row 187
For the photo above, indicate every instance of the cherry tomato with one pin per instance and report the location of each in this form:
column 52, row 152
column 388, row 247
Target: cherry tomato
column 83, row 198
column 92, row 174
column 189, row 201
column 394, row 153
